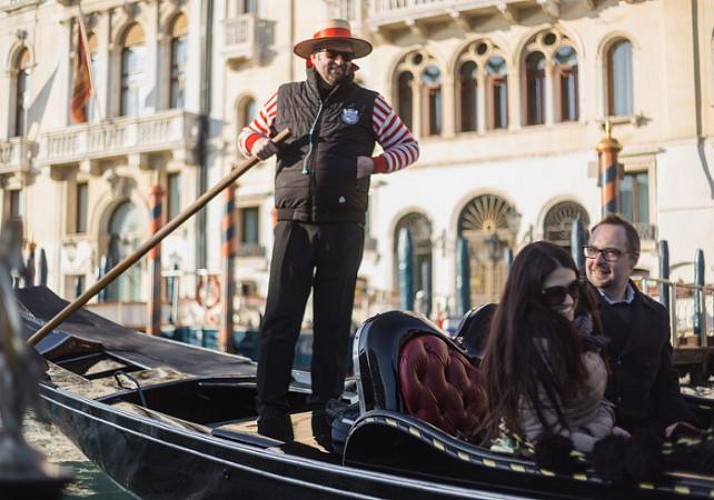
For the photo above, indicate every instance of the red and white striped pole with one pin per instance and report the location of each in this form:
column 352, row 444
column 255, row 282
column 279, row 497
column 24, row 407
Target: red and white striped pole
column 228, row 254
column 607, row 150
column 154, row 304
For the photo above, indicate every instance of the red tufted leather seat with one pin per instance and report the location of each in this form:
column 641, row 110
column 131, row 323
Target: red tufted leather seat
column 440, row 385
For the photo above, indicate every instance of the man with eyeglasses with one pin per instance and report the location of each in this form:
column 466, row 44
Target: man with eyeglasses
column 643, row 382
column 321, row 193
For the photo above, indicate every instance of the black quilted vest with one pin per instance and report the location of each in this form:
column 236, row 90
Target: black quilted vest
column 316, row 176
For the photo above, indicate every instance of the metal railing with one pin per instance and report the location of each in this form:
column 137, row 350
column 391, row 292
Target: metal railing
column 690, row 309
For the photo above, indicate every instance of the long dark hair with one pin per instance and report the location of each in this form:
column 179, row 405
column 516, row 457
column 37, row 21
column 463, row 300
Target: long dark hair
column 516, row 367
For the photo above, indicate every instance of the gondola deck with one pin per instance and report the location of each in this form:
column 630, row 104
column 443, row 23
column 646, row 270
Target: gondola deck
column 163, row 421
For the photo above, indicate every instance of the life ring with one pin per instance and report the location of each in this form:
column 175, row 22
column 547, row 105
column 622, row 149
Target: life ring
column 208, row 291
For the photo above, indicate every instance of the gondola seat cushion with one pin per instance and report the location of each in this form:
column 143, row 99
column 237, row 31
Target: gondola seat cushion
column 440, row 385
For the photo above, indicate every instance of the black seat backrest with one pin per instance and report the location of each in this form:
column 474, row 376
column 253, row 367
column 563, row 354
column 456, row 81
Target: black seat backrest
column 404, row 363
column 473, row 329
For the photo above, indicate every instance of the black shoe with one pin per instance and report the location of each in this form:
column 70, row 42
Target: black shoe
column 322, row 429
column 276, row 426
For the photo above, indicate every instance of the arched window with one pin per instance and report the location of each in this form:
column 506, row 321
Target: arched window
column 245, row 112
column 22, row 92
column 566, row 84
column 482, row 98
column 177, row 92
column 431, row 91
column 489, row 224
column 535, row 88
column 125, row 234
column 405, row 98
column 132, row 70
column 497, row 83
column 558, row 223
column 420, row 232
column 551, row 86
column 619, row 79
column 468, row 89
column 418, row 88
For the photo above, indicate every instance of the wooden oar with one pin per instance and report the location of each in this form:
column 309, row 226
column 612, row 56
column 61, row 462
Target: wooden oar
column 156, row 238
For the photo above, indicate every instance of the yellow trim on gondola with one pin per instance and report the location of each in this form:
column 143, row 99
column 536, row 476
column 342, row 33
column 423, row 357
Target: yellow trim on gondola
column 647, row 486
column 463, row 456
column 682, row 490
column 438, row 444
column 548, row 473
column 711, row 493
column 415, row 432
column 392, row 422
column 580, row 477
column 518, row 467
column 370, row 420
column 489, row 463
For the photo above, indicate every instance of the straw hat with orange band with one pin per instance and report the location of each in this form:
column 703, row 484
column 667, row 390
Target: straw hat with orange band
column 336, row 30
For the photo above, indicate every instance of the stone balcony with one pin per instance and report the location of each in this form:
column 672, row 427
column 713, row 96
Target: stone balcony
column 10, row 5
column 388, row 15
column 16, row 156
column 240, row 38
column 174, row 131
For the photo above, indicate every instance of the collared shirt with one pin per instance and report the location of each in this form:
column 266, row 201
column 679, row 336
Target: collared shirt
column 626, row 299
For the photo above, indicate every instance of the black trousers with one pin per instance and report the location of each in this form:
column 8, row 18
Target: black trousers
column 324, row 257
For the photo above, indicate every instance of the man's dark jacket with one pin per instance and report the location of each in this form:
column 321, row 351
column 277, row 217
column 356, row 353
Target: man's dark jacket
column 644, row 385
column 316, row 176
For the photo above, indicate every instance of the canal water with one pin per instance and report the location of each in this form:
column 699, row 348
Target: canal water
column 90, row 481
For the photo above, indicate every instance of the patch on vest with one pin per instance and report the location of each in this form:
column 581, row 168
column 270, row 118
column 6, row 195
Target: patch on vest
column 350, row 116
column 341, row 199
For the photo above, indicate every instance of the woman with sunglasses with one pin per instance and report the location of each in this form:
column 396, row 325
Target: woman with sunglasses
column 543, row 371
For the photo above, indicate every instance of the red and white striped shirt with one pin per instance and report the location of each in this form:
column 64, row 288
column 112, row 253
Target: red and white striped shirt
column 400, row 147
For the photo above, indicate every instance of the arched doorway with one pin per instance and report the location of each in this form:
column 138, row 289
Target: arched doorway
column 124, row 238
column 558, row 224
column 420, row 232
column 489, row 224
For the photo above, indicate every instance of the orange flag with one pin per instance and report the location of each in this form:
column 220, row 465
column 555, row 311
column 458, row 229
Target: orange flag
column 82, row 85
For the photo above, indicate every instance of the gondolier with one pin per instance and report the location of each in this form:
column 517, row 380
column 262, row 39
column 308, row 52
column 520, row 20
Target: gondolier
column 321, row 194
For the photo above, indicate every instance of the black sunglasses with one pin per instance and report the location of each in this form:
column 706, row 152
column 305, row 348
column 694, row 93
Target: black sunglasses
column 555, row 295
column 334, row 54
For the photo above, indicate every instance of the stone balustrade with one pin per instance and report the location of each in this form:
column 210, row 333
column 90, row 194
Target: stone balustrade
column 10, row 5
column 239, row 37
column 16, row 155
column 400, row 13
column 173, row 130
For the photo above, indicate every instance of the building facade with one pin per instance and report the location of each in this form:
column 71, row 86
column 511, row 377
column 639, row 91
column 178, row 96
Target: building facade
column 507, row 97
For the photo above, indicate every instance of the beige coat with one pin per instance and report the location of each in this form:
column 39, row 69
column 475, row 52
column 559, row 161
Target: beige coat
column 589, row 418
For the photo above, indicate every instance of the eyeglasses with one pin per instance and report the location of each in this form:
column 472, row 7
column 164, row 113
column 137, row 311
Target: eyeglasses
column 609, row 254
column 334, row 54
column 555, row 295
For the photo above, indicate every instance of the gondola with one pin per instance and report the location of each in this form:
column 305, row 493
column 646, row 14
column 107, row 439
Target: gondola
column 170, row 420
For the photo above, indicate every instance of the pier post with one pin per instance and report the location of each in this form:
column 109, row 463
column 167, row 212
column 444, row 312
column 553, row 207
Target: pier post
column 609, row 176
column 463, row 277
column 153, row 326
column 225, row 334
column 699, row 323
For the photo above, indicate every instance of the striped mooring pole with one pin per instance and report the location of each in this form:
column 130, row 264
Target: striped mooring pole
column 153, row 327
column 228, row 254
column 609, row 173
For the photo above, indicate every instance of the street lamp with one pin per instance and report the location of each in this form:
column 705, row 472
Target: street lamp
column 493, row 246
